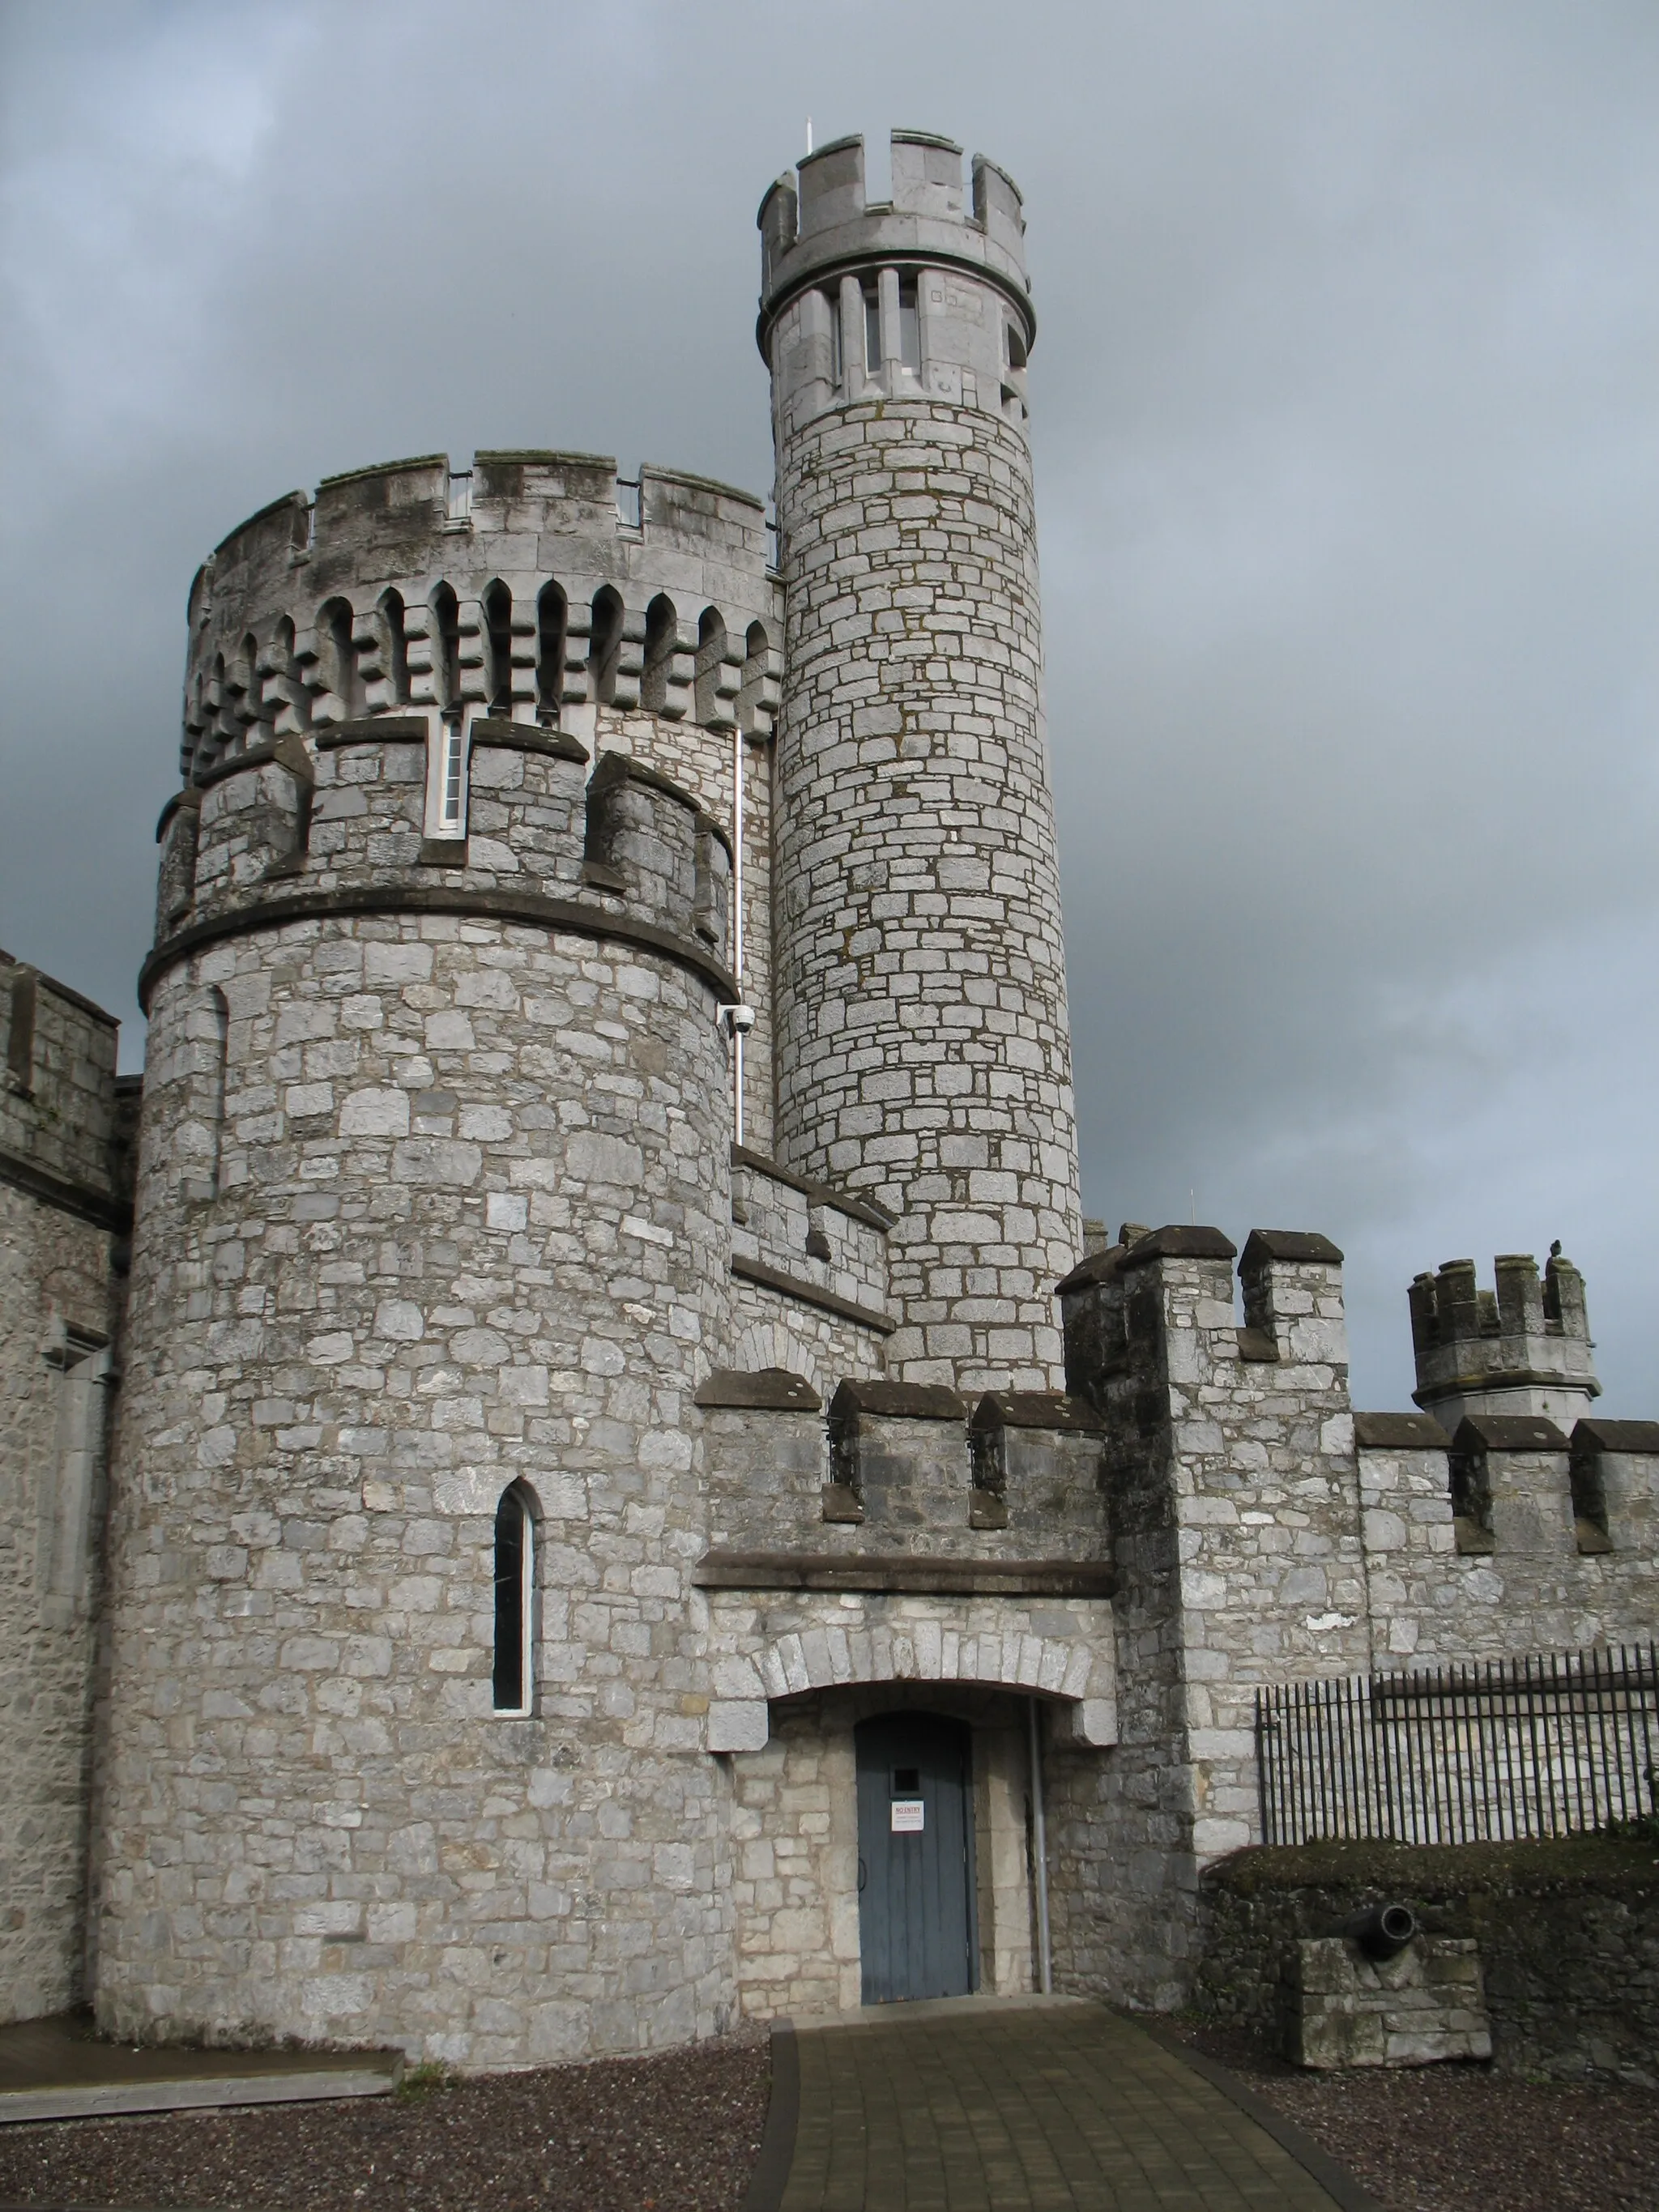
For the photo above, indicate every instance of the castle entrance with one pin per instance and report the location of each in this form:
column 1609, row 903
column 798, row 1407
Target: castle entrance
column 916, row 1878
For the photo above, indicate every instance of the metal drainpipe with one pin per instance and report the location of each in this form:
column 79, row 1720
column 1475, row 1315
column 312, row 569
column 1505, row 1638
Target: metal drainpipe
column 1039, row 1850
column 736, row 922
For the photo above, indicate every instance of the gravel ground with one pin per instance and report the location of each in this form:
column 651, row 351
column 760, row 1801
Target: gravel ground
column 1461, row 2139
column 677, row 2133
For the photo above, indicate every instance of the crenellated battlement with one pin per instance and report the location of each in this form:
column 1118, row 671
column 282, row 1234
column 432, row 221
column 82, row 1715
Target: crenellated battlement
column 343, row 824
column 536, row 586
column 921, row 296
column 1522, row 1349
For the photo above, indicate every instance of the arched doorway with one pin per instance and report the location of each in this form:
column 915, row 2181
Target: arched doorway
column 916, row 1932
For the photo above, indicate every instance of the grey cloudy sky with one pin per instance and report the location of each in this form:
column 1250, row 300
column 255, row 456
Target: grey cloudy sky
column 1346, row 418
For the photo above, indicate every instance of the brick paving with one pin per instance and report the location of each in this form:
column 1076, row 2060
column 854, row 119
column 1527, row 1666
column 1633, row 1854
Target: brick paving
column 975, row 2105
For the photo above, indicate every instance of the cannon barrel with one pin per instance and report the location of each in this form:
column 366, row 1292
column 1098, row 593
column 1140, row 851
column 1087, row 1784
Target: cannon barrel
column 1383, row 1930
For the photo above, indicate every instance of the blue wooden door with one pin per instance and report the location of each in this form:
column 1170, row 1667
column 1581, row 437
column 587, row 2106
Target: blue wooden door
column 916, row 1931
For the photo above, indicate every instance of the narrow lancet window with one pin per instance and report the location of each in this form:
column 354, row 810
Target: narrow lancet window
column 910, row 326
column 550, row 654
column 605, row 645
column 515, row 1577
column 446, row 644
column 498, row 622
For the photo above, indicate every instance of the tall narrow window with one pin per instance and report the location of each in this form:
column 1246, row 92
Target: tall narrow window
column 396, row 646
column 339, row 655
column 452, row 792
column 871, row 329
column 661, row 634
column 836, row 370
column 910, row 326
column 498, row 623
column 516, row 1584
column 445, row 643
column 550, row 654
column 605, row 645
column 711, row 658
column 753, row 716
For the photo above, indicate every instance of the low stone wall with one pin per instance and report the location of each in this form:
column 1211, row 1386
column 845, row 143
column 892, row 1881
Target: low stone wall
column 1568, row 1935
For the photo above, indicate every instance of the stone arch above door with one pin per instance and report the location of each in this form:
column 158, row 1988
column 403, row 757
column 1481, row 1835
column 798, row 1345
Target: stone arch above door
column 763, row 1648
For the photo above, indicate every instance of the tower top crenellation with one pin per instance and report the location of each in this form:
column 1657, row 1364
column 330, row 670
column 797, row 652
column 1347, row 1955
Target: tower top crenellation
column 816, row 222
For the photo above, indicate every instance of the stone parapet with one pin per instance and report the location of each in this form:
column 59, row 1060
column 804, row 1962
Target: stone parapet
column 1524, row 1349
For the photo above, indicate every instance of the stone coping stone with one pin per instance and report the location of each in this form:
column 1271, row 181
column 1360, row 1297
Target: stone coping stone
column 809, row 1294
column 1180, row 1240
column 765, row 1390
column 1262, row 1245
column 1400, row 1433
column 1507, row 1433
column 1036, row 1409
column 904, row 1401
column 1094, row 1267
column 904, row 1574
column 1615, row 1436
column 821, row 1193
column 59, row 2068
column 373, row 730
column 1542, row 1866
column 526, row 738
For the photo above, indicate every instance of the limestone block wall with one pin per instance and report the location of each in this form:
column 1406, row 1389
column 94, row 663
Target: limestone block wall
column 1440, row 1594
column 64, row 1216
column 924, row 1056
column 920, row 989
column 1236, row 1519
column 452, row 1215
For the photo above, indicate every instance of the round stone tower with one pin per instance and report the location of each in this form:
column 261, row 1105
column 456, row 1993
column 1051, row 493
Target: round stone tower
column 924, row 1058
column 432, row 1251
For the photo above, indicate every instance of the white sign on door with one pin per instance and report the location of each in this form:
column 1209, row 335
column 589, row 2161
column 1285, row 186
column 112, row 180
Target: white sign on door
column 909, row 1815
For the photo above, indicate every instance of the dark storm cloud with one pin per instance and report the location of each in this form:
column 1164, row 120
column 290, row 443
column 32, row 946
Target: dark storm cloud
column 1347, row 438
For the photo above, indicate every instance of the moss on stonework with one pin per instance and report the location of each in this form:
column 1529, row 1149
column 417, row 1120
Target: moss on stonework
column 1603, row 1862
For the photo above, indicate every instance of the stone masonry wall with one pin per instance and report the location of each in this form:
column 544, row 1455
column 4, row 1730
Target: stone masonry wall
column 1567, row 1935
column 467, row 1226
column 62, row 1189
column 924, row 1051
column 1236, row 1531
column 1430, row 1603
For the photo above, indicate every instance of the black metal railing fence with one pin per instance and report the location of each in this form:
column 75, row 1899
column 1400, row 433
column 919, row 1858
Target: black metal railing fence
column 1482, row 1752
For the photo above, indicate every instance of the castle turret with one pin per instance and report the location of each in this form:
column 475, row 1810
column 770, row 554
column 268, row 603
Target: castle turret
column 1525, row 1349
column 923, row 1053
column 432, row 1252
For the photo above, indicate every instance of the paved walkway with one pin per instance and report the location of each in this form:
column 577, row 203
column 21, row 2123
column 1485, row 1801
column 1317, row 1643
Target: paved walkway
column 60, row 2069
column 1033, row 2104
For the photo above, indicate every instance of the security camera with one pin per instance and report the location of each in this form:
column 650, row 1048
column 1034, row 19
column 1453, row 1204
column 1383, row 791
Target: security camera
column 739, row 1020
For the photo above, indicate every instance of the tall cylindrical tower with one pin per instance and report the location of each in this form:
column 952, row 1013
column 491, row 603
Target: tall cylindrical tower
column 431, row 1254
column 924, row 1059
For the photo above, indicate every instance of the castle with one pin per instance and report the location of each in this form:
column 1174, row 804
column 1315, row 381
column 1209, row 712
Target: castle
column 581, row 1476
